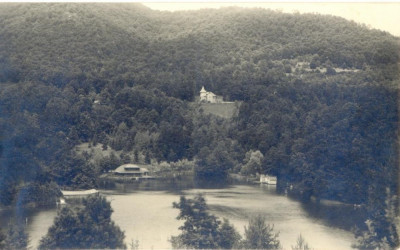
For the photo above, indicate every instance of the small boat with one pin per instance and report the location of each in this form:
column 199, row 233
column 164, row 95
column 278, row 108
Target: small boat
column 268, row 179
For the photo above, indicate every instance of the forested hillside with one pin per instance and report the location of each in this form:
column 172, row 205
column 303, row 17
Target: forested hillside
column 319, row 98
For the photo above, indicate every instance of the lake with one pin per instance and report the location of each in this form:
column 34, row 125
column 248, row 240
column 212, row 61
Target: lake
column 146, row 214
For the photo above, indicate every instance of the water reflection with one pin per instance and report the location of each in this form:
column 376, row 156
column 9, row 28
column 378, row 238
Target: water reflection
column 174, row 185
column 169, row 185
column 288, row 216
column 144, row 211
column 340, row 216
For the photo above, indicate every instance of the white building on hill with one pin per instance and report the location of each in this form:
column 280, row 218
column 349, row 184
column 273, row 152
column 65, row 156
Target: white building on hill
column 210, row 97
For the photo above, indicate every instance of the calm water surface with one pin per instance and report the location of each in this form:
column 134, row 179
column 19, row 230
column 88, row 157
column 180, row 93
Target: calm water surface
column 147, row 215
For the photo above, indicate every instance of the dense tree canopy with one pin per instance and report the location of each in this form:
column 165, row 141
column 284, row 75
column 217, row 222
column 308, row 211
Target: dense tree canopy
column 318, row 94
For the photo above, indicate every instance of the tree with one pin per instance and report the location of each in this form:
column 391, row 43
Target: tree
column 230, row 238
column 16, row 238
column 110, row 162
column 2, row 240
column 200, row 229
column 301, row 244
column 213, row 164
column 253, row 162
column 39, row 194
column 259, row 235
column 330, row 70
column 383, row 228
column 370, row 240
column 87, row 227
column 75, row 171
column 8, row 191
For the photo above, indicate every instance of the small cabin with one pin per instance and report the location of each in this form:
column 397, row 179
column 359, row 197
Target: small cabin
column 131, row 170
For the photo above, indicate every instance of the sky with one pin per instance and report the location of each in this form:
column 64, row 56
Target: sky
column 384, row 16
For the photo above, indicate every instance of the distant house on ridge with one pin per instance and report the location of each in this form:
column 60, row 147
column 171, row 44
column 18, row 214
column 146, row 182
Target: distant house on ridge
column 210, row 97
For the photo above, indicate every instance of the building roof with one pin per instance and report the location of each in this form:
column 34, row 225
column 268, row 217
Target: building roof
column 79, row 192
column 130, row 168
column 203, row 90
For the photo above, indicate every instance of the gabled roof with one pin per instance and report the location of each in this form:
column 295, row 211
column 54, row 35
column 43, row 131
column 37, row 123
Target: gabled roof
column 211, row 94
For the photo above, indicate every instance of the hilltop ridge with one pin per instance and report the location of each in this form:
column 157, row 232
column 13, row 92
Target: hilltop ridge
column 57, row 43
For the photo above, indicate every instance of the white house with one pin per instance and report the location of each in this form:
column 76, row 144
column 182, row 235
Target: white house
column 210, row 97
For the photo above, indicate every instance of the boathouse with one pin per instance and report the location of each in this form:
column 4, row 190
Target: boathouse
column 78, row 194
column 268, row 179
column 131, row 170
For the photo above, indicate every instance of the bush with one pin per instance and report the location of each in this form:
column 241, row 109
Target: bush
column 259, row 235
column 16, row 238
column 301, row 244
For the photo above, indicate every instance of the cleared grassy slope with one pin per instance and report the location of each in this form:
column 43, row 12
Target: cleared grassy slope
column 225, row 110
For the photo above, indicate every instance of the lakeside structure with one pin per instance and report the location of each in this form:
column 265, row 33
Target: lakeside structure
column 268, row 179
column 132, row 170
column 128, row 173
column 75, row 195
column 79, row 193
